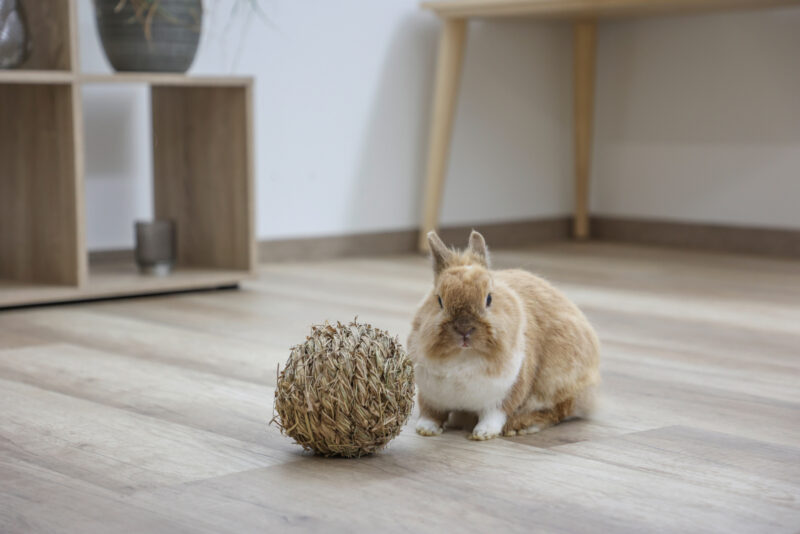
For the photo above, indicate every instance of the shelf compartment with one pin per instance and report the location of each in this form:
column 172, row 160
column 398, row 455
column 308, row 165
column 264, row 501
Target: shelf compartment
column 202, row 173
column 39, row 186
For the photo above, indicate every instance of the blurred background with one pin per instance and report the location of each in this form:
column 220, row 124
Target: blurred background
column 697, row 119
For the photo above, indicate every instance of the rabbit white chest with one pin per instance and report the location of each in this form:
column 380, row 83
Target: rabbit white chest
column 464, row 382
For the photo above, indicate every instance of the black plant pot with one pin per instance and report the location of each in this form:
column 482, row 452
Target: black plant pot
column 174, row 35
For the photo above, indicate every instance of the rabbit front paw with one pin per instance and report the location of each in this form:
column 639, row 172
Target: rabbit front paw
column 428, row 427
column 490, row 425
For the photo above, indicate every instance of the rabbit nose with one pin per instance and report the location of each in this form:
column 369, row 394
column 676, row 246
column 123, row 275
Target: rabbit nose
column 464, row 328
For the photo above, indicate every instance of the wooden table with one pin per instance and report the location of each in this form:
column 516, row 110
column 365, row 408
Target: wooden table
column 584, row 15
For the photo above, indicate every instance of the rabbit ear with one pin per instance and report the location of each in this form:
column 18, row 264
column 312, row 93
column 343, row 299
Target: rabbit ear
column 477, row 245
column 439, row 252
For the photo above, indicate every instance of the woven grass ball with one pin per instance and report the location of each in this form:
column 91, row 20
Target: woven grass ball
column 346, row 391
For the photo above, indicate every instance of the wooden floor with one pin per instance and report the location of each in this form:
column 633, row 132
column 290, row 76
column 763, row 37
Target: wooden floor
column 150, row 415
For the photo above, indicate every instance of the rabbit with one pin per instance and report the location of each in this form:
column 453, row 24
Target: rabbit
column 504, row 345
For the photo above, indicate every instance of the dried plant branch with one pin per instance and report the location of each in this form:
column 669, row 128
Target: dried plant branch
column 148, row 23
column 146, row 11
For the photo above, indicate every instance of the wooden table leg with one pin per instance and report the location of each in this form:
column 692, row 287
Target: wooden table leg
column 584, row 62
column 448, row 73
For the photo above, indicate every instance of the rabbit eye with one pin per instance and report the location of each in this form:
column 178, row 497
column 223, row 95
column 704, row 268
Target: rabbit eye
column 440, row 302
column 488, row 300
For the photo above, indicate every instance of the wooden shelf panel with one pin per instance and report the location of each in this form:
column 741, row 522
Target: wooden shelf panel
column 124, row 279
column 36, row 76
column 588, row 8
column 150, row 78
column 39, row 185
column 166, row 79
column 117, row 280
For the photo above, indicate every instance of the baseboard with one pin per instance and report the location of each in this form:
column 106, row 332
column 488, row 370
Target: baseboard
column 498, row 235
column 712, row 237
column 337, row 246
column 722, row 238
column 511, row 234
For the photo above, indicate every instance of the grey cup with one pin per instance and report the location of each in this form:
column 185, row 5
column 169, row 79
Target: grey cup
column 155, row 247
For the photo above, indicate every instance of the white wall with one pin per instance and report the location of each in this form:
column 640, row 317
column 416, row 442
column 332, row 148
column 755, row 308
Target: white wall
column 698, row 118
column 342, row 98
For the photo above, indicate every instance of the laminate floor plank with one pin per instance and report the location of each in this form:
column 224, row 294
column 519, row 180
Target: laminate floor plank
column 153, row 340
column 11, row 339
column 33, row 499
column 113, row 448
column 225, row 406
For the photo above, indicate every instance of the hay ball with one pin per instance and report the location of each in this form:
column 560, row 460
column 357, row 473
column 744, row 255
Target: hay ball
column 346, row 391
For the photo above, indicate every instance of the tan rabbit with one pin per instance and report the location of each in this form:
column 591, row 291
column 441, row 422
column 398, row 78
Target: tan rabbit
column 505, row 345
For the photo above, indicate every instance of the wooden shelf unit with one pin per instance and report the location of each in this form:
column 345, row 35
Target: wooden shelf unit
column 202, row 174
